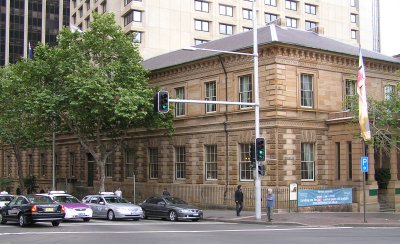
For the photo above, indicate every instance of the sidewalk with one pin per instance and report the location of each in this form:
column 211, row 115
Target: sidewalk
column 307, row 219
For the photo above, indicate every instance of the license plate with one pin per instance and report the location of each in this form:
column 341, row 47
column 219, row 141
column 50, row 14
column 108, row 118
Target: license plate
column 81, row 214
column 195, row 214
column 48, row 209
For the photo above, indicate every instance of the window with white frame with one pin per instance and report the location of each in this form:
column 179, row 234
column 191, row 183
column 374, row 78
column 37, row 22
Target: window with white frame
column 133, row 16
column 180, row 163
column 201, row 25
column 211, row 162
column 270, row 17
column 42, row 163
column 153, row 163
column 201, row 6
column 199, row 41
column 310, row 9
column 291, row 22
column 246, row 172
column 247, row 29
column 225, row 29
column 350, row 94
column 307, row 162
column 211, row 95
column 247, row 14
column 87, row 4
column 87, row 22
column 245, row 90
column 71, row 164
column 129, row 161
column 310, row 24
column 307, row 91
column 137, row 37
column 354, row 34
column 225, row 10
column 389, row 92
column 80, row 12
column 180, row 107
column 292, row 5
column 270, row 2
column 353, row 18
column 108, row 166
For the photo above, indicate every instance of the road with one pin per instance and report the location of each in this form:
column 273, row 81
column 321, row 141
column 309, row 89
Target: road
column 157, row 231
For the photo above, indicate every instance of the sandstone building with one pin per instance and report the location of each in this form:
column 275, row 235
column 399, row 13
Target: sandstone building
column 304, row 82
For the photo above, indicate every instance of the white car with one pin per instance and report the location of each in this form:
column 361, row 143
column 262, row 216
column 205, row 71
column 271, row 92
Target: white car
column 74, row 209
column 5, row 198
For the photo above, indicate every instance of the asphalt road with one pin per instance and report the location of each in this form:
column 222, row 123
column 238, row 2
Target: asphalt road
column 165, row 232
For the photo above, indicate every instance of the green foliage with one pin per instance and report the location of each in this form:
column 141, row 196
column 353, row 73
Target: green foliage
column 30, row 184
column 382, row 176
column 4, row 183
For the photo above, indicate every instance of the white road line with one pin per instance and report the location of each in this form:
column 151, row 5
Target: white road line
column 169, row 231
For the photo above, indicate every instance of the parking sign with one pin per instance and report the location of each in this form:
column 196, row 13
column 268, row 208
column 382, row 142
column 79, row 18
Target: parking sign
column 364, row 164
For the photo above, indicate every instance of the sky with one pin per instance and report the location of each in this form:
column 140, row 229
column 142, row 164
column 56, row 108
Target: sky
column 390, row 30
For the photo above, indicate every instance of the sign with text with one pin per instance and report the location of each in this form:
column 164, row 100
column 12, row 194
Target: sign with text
column 324, row 197
column 364, row 164
column 293, row 191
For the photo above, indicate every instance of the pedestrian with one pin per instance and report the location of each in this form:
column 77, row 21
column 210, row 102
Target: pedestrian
column 239, row 200
column 270, row 203
column 118, row 192
column 166, row 192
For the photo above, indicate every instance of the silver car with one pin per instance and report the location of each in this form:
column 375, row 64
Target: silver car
column 108, row 205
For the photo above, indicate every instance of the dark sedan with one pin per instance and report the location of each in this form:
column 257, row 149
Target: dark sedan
column 30, row 209
column 169, row 207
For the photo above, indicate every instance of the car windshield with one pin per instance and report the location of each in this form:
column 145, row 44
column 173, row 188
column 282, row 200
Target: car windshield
column 66, row 199
column 175, row 200
column 115, row 200
column 40, row 199
column 6, row 198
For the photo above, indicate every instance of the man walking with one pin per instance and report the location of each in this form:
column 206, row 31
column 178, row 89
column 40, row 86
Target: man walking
column 239, row 200
column 270, row 203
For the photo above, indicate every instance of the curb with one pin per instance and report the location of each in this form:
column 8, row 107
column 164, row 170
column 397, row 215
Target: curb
column 258, row 222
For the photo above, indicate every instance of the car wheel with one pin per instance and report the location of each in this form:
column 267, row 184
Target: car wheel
column 2, row 220
column 22, row 220
column 173, row 216
column 110, row 215
column 86, row 219
column 55, row 223
column 144, row 214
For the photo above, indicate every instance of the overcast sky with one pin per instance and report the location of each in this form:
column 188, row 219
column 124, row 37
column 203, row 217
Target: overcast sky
column 390, row 30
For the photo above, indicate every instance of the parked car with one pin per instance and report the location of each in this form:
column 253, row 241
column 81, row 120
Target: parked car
column 108, row 205
column 30, row 209
column 5, row 198
column 74, row 209
column 169, row 207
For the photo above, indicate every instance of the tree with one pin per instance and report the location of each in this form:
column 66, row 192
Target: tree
column 19, row 128
column 384, row 116
column 95, row 85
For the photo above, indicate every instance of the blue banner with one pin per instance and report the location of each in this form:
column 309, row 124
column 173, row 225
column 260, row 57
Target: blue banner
column 324, row 197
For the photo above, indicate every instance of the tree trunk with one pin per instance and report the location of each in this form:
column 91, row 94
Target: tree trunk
column 18, row 157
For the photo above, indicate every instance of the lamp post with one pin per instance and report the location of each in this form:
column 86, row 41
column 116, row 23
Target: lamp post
column 257, row 181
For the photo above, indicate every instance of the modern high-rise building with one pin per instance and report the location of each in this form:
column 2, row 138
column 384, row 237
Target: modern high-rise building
column 163, row 26
column 25, row 22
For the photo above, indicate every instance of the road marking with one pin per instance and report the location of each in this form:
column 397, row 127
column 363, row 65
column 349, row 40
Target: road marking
column 170, row 231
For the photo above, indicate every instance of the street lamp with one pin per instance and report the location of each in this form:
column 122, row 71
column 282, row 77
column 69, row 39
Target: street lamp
column 257, row 181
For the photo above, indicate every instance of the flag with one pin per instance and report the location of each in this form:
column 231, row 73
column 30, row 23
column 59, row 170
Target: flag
column 30, row 51
column 362, row 100
column 74, row 29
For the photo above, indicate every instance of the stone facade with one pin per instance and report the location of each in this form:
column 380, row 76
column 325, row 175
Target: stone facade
column 284, row 123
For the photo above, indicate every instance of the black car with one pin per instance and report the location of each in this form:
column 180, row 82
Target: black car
column 30, row 209
column 169, row 207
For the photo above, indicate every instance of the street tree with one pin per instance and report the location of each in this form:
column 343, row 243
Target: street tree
column 92, row 84
column 19, row 129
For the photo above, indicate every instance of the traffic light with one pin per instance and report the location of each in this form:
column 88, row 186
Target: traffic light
column 260, row 149
column 161, row 102
column 261, row 169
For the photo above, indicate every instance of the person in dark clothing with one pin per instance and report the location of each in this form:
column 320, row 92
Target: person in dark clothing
column 239, row 200
column 166, row 192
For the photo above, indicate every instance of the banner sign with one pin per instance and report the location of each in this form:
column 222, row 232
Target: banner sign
column 292, row 191
column 324, row 197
